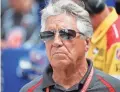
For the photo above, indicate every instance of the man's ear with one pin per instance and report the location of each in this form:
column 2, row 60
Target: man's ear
column 87, row 42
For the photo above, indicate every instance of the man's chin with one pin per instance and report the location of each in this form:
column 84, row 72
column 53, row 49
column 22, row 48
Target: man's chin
column 60, row 62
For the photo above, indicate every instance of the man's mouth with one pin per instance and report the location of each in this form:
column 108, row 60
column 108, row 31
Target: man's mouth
column 58, row 53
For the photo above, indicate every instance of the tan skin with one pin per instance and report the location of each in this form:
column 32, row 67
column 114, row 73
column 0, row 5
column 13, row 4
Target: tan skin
column 97, row 19
column 67, row 57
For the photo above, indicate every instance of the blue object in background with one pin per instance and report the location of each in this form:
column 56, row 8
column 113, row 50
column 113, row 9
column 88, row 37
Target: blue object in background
column 15, row 77
column 9, row 59
column 110, row 2
column 34, row 65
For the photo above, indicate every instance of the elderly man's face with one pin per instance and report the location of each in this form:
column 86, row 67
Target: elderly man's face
column 62, row 52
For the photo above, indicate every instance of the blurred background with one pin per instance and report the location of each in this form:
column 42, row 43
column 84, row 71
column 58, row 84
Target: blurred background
column 23, row 55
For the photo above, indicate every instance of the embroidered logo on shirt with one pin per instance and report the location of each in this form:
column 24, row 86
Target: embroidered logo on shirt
column 117, row 67
column 95, row 51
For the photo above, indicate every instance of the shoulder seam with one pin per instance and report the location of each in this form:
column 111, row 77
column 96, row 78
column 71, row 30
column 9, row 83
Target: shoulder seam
column 106, row 83
column 31, row 89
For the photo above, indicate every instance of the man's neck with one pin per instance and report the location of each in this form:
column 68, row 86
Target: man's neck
column 100, row 17
column 70, row 76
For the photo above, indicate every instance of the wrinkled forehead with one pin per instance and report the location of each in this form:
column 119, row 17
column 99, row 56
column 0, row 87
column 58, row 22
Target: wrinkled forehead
column 61, row 17
column 62, row 20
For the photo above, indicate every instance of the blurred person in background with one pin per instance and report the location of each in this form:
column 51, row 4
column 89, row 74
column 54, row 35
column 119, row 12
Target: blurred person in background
column 105, row 43
column 4, row 6
column 117, row 6
column 21, row 16
column 65, row 29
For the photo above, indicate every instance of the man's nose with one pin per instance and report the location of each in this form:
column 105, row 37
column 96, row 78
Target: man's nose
column 57, row 40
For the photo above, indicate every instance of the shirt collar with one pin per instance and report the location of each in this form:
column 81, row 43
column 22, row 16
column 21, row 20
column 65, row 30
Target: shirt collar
column 48, row 81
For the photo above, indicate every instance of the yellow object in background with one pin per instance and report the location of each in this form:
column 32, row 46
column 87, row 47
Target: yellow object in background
column 105, row 45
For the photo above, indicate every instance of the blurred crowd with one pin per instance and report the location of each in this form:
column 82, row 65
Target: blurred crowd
column 20, row 27
column 20, row 23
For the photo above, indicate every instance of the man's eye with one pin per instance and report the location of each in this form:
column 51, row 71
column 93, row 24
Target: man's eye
column 67, row 34
column 47, row 35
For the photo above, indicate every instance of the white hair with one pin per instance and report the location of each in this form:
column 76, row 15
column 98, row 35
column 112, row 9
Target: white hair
column 67, row 6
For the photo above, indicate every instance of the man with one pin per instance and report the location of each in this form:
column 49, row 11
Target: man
column 65, row 30
column 105, row 43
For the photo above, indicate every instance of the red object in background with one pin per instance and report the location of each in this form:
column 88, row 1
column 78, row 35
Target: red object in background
column 15, row 38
